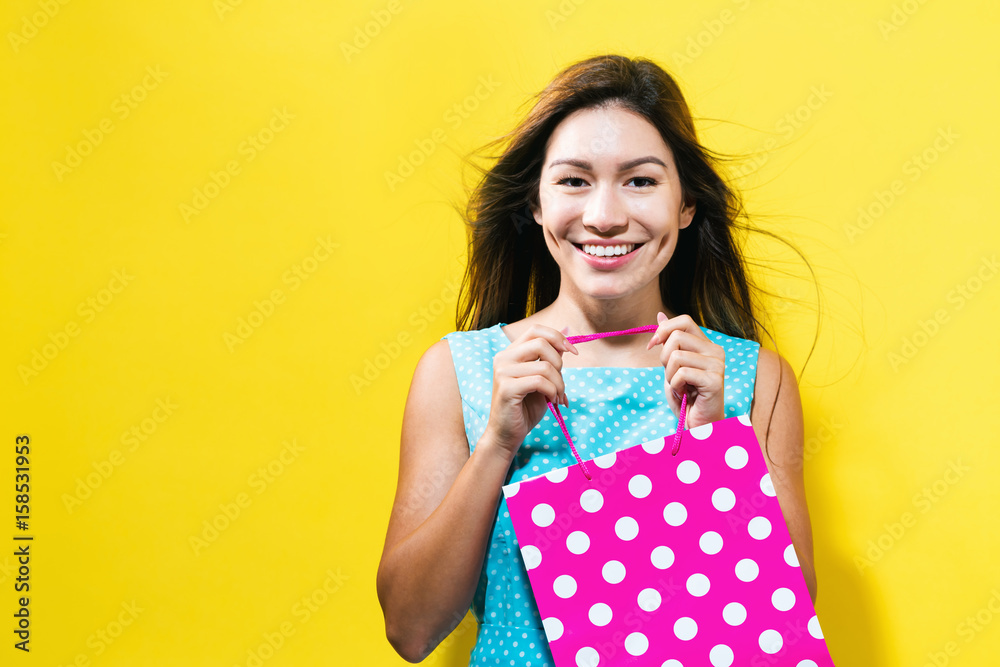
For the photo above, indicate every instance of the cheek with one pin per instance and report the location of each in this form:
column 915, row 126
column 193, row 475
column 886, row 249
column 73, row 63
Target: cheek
column 558, row 208
column 657, row 215
column 658, row 210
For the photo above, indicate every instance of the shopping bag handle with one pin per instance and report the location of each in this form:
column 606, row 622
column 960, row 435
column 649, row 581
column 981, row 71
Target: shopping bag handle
column 562, row 423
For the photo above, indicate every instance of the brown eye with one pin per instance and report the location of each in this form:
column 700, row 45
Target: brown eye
column 644, row 181
column 576, row 181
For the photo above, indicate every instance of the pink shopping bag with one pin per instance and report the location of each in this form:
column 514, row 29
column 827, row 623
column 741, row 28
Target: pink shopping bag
column 671, row 553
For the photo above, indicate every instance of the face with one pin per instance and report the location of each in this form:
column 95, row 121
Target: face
column 610, row 203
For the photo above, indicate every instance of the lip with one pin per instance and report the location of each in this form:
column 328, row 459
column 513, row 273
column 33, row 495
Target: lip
column 607, row 262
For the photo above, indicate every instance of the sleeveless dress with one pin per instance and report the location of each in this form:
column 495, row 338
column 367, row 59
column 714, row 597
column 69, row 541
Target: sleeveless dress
column 610, row 408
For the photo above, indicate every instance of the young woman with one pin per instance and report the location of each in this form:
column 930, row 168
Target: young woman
column 603, row 213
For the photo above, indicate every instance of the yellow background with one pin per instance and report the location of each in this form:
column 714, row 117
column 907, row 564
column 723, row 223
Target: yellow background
column 893, row 76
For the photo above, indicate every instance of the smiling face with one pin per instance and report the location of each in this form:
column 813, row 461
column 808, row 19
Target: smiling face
column 610, row 203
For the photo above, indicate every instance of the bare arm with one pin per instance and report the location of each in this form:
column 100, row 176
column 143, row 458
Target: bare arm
column 784, row 445
column 442, row 515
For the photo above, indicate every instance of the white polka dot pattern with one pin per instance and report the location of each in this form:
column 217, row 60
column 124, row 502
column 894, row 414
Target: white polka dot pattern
column 723, row 584
column 610, row 409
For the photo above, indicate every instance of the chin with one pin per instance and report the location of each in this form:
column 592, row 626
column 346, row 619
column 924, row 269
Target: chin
column 609, row 293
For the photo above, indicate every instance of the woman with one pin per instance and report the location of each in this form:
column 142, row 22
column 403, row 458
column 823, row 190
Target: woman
column 602, row 213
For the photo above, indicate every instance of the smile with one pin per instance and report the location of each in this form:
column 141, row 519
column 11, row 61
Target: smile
column 607, row 250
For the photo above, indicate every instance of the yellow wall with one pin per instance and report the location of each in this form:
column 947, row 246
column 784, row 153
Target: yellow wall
column 169, row 172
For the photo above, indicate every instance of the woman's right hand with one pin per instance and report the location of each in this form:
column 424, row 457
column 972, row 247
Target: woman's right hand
column 526, row 375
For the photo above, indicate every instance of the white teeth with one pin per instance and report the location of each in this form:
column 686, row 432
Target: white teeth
column 608, row 250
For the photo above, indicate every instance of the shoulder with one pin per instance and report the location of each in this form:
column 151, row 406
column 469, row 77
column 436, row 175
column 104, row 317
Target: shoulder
column 463, row 359
column 778, row 424
column 740, row 347
column 435, row 371
column 777, row 409
column 475, row 346
column 436, row 356
column 774, row 375
column 473, row 336
column 434, row 400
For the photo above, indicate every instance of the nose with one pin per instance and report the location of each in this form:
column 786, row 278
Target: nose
column 605, row 212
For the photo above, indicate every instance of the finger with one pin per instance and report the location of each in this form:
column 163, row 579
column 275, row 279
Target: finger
column 531, row 350
column 667, row 326
column 674, row 359
column 698, row 385
column 702, row 382
column 693, row 351
column 540, row 368
column 556, row 338
column 687, row 342
column 565, row 331
column 521, row 387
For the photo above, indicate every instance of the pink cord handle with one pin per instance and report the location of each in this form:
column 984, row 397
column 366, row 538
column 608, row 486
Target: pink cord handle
column 562, row 423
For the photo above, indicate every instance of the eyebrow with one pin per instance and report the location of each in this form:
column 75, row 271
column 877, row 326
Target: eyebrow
column 624, row 166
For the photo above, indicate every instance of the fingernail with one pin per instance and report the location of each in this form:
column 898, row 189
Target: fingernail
column 660, row 317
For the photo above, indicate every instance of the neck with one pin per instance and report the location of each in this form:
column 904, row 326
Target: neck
column 588, row 315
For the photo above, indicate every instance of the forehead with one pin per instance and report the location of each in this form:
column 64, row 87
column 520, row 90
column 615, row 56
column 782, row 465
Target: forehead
column 611, row 133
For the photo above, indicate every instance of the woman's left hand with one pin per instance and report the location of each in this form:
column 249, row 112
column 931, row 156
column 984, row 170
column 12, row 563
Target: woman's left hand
column 694, row 364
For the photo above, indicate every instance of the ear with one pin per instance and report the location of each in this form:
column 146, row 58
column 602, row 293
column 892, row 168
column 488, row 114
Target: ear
column 687, row 213
column 536, row 212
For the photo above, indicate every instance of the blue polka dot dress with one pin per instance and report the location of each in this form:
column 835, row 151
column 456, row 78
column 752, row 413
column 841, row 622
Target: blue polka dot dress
column 609, row 408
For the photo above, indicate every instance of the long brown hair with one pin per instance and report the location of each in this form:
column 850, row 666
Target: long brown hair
column 510, row 273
